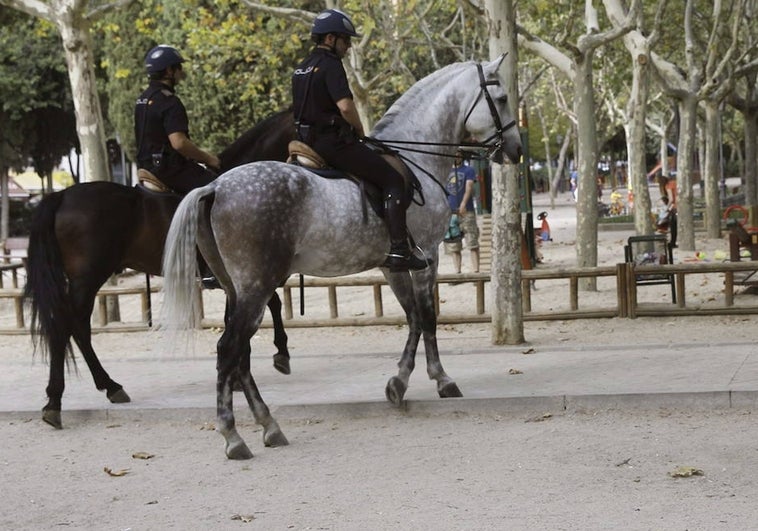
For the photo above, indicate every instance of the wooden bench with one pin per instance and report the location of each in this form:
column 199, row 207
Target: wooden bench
column 13, row 259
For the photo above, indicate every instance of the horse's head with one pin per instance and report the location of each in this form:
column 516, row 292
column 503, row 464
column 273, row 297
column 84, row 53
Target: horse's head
column 489, row 119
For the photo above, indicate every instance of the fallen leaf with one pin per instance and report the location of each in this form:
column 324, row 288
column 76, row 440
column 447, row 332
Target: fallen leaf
column 624, row 462
column 116, row 473
column 243, row 517
column 541, row 418
column 142, row 455
column 515, row 371
column 529, row 351
column 686, row 472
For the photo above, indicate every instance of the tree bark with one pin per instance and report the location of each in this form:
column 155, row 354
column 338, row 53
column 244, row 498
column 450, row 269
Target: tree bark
column 505, row 284
column 712, row 173
column 586, row 222
column 684, row 169
column 635, row 142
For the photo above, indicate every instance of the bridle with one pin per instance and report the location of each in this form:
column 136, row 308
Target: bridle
column 492, row 144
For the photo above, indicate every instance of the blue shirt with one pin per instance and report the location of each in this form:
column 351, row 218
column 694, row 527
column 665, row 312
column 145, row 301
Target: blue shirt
column 456, row 187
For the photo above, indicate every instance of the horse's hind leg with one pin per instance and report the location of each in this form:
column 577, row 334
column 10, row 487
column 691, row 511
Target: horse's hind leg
column 83, row 301
column 240, row 327
column 57, row 345
column 282, row 356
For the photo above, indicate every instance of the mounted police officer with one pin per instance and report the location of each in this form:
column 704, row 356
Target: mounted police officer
column 161, row 127
column 328, row 121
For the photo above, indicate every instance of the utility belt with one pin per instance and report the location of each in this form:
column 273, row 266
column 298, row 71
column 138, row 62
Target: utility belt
column 307, row 132
column 166, row 160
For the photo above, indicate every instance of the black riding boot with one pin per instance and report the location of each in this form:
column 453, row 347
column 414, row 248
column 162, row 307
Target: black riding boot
column 400, row 257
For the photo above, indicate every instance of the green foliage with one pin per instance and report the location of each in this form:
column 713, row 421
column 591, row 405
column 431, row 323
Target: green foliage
column 36, row 110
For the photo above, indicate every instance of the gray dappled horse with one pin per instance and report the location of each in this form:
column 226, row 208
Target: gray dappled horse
column 259, row 223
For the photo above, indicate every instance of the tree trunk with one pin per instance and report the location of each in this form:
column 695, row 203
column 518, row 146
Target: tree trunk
column 5, row 204
column 635, row 139
column 586, row 208
column 561, row 169
column 711, row 172
column 751, row 164
column 684, row 170
column 505, row 284
column 75, row 33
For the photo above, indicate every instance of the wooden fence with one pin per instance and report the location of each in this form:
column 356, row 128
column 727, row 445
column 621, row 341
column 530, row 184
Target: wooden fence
column 559, row 286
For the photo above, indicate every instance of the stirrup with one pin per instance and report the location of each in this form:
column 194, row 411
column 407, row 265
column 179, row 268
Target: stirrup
column 210, row 282
column 398, row 262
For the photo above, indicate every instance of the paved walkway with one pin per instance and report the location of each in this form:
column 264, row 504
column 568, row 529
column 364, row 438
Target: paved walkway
column 349, row 380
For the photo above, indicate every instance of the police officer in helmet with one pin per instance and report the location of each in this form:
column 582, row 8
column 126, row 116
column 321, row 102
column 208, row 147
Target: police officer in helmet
column 328, row 121
column 162, row 130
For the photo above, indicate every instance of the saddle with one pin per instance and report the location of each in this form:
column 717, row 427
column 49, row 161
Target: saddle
column 151, row 183
column 301, row 154
column 304, row 155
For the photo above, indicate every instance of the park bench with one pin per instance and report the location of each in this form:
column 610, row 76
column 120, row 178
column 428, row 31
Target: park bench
column 13, row 259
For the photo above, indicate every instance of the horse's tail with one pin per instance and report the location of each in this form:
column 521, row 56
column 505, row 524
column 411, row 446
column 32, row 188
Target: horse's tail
column 46, row 281
column 180, row 293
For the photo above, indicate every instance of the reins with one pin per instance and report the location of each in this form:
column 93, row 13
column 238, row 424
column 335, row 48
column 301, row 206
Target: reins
column 492, row 144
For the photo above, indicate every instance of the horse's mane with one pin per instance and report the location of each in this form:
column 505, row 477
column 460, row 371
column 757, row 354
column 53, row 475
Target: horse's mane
column 409, row 98
column 238, row 149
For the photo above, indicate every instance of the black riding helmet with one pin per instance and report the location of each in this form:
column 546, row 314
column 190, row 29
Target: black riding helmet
column 333, row 21
column 160, row 58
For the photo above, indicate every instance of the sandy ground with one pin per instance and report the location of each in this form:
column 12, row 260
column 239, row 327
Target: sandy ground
column 599, row 470
column 607, row 470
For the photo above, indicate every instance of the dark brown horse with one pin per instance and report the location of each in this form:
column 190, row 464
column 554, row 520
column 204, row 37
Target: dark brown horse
column 86, row 233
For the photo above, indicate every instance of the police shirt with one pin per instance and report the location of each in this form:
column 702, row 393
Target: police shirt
column 158, row 113
column 317, row 105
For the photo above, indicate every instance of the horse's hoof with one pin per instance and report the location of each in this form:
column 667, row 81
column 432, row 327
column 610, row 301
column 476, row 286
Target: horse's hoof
column 53, row 418
column 238, row 450
column 450, row 390
column 118, row 397
column 282, row 363
column 274, row 438
column 395, row 391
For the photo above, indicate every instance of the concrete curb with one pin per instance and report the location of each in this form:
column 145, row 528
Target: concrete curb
column 506, row 406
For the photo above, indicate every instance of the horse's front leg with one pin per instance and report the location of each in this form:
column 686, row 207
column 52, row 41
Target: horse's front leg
column 416, row 296
column 424, row 291
column 402, row 286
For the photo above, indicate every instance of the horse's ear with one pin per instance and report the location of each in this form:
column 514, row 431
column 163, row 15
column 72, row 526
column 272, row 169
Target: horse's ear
column 493, row 67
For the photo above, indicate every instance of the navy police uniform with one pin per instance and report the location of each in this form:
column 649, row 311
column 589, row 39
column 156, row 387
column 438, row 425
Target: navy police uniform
column 317, row 84
column 158, row 113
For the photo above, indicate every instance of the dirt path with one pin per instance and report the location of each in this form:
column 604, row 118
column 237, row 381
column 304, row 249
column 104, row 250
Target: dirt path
column 607, row 470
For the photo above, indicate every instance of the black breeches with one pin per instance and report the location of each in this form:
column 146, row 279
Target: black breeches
column 354, row 157
column 188, row 177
